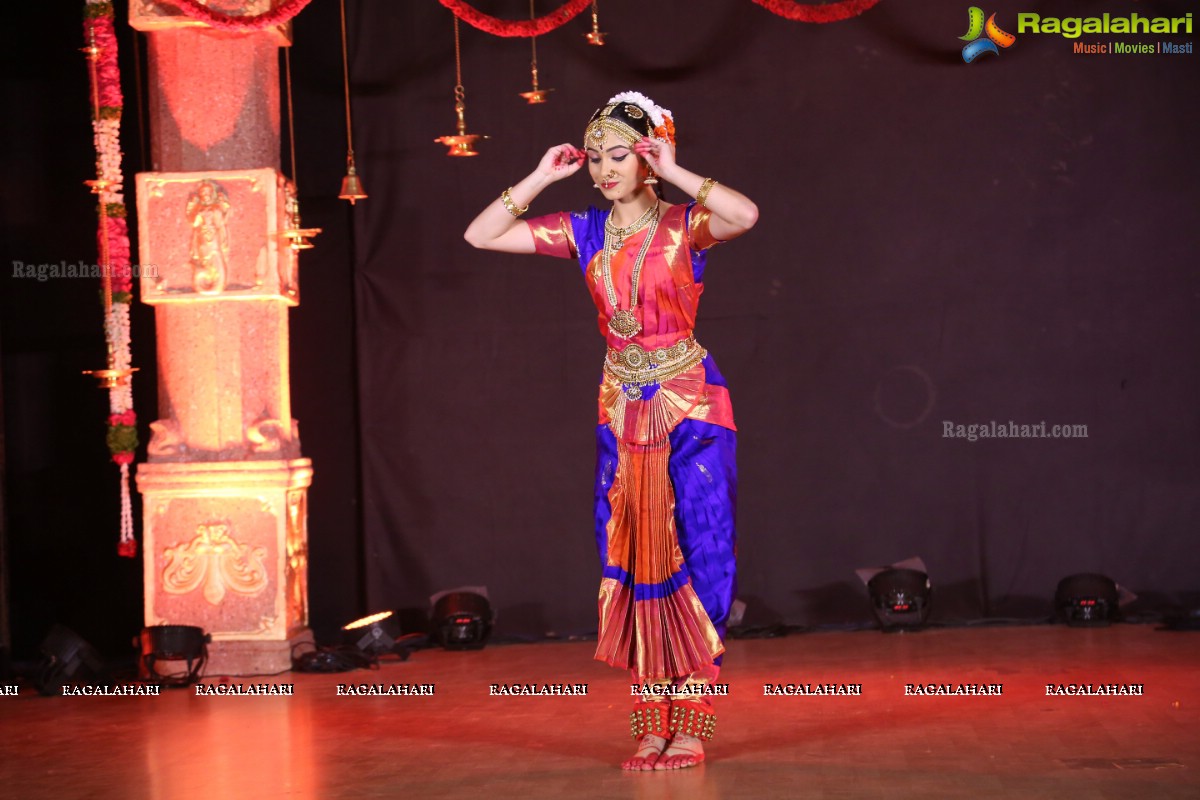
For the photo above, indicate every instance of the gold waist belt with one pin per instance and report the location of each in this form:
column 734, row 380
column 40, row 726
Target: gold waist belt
column 636, row 366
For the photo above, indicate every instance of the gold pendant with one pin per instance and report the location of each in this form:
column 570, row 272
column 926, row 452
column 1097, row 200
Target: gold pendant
column 624, row 323
column 633, row 392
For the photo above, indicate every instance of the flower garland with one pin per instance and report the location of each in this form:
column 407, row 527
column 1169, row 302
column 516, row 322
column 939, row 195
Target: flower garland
column 788, row 9
column 662, row 119
column 278, row 15
column 817, row 12
column 529, row 27
column 112, row 237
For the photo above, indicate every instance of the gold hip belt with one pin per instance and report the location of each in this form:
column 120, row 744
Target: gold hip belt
column 636, row 366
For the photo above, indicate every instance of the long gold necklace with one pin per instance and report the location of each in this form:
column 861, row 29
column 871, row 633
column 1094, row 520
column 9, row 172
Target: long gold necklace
column 624, row 323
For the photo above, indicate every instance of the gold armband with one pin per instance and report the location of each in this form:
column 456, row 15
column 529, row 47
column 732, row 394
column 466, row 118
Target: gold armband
column 506, row 198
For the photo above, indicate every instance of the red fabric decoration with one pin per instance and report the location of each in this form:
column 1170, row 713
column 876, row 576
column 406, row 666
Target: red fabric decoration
column 226, row 22
column 511, row 28
column 817, row 12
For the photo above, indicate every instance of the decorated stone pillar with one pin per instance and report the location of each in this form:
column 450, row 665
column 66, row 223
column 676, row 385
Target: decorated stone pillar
column 224, row 486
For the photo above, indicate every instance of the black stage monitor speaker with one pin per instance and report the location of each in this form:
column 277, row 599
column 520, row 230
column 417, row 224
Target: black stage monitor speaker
column 900, row 599
column 462, row 620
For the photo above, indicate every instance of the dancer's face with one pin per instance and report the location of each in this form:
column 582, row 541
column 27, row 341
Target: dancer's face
column 615, row 168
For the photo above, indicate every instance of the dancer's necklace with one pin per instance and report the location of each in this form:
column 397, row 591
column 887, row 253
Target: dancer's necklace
column 621, row 234
column 624, row 323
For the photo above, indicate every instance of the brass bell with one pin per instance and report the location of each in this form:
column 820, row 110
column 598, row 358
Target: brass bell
column 352, row 188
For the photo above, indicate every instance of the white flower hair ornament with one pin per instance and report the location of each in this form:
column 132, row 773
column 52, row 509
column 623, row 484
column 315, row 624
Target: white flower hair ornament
column 663, row 119
column 624, row 114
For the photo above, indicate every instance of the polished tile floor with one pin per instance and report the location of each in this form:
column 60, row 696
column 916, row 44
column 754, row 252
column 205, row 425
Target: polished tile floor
column 461, row 742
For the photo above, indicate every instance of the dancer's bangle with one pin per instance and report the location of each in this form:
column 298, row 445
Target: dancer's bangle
column 506, row 198
column 705, row 188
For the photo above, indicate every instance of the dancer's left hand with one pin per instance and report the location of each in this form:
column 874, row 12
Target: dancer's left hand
column 658, row 154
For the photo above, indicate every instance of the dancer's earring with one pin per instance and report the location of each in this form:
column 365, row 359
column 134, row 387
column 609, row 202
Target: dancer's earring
column 651, row 178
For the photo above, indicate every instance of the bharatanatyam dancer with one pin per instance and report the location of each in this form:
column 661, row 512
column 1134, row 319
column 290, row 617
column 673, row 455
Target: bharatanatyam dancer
column 666, row 482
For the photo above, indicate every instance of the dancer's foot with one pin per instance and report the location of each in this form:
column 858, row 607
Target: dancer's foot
column 649, row 750
column 683, row 751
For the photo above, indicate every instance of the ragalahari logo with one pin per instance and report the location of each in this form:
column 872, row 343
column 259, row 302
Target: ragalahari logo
column 975, row 28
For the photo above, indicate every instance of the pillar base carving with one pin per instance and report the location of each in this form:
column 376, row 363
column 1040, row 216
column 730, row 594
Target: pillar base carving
column 226, row 550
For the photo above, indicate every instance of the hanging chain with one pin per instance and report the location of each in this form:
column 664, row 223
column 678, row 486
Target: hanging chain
column 595, row 36
column 458, row 87
column 345, row 86
column 533, row 47
column 287, row 71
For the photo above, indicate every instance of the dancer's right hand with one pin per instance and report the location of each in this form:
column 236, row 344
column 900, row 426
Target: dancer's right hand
column 561, row 161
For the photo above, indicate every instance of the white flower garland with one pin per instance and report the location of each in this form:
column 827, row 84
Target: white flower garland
column 107, row 138
column 116, row 329
column 656, row 112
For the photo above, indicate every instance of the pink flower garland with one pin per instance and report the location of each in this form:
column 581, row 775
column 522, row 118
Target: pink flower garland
column 788, row 9
column 514, row 28
column 107, row 72
column 116, row 228
column 278, row 15
column 112, row 239
column 816, row 12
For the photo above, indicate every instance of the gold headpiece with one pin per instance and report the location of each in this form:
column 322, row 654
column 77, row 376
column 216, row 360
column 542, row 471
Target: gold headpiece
column 604, row 122
column 624, row 114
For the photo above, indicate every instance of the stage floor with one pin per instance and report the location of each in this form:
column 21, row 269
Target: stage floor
column 463, row 742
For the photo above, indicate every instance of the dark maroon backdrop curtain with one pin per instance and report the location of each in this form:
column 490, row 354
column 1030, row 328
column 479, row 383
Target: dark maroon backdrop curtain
column 1013, row 239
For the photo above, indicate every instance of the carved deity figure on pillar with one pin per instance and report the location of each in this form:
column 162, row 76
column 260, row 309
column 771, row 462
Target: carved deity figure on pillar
column 208, row 212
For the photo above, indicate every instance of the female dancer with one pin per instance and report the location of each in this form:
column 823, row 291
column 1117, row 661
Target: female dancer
column 665, row 477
